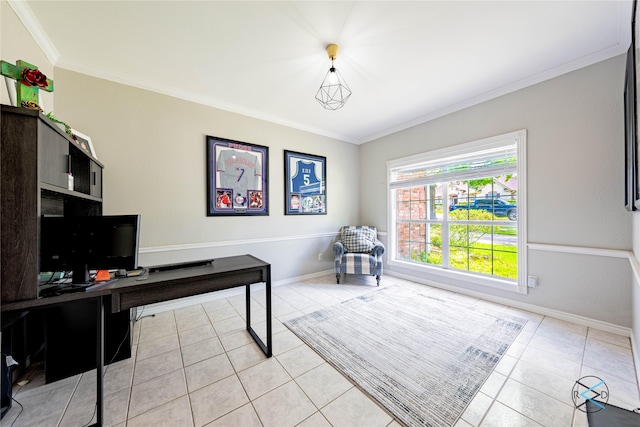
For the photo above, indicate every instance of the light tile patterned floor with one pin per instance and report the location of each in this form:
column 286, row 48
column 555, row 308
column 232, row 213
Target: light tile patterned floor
column 197, row 366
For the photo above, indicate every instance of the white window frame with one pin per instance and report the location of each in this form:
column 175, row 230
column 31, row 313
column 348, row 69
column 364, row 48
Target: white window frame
column 453, row 275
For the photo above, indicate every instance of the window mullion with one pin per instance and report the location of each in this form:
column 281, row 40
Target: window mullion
column 445, row 224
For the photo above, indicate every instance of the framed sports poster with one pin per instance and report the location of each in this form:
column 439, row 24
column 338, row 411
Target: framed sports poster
column 236, row 178
column 305, row 178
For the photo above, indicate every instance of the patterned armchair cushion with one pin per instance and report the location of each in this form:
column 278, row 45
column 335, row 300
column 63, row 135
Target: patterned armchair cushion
column 358, row 240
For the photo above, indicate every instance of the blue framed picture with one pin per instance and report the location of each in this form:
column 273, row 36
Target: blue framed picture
column 236, row 178
column 305, row 178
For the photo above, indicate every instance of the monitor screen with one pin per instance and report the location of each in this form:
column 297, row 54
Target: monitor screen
column 112, row 242
column 54, row 244
column 80, row 244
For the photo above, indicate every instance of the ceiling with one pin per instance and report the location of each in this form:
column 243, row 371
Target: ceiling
column 405, row 62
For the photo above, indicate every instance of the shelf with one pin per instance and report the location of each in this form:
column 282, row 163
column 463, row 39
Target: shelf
column 66, row 192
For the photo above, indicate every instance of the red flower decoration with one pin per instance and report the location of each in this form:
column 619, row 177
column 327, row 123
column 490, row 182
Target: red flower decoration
column 34, row 78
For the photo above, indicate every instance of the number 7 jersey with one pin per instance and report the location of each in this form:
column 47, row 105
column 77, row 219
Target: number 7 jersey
column 240, row 171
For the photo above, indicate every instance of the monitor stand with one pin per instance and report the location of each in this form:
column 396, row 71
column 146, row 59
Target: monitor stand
column 81, row 276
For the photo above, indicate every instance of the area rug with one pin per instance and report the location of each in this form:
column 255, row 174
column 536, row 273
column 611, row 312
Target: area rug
column 422, row 354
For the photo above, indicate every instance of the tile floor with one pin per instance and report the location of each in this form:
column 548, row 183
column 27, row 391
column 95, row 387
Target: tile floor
column 197, row 366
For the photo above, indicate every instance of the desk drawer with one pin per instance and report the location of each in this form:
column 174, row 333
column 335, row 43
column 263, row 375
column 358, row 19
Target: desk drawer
column 153, row 292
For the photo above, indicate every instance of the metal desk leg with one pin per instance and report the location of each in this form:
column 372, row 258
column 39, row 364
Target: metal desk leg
column 268, row 291
column 247, row 307
column 268, row 348
column 99, row 361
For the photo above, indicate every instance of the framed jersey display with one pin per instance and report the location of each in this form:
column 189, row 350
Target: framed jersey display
column 236, row 178
column 305, row 178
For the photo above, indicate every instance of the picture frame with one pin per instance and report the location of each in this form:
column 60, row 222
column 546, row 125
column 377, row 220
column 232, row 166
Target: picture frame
column 237, row 178
column 630, row 153
column 11, row 91
column 632, row 106
column 84, row 142
column 305, row 177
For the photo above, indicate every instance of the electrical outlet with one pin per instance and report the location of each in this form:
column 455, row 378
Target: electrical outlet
column 532, row 281
column 320, row 256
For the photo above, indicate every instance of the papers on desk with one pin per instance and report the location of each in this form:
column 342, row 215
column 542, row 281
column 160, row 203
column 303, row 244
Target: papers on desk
column 136, row 273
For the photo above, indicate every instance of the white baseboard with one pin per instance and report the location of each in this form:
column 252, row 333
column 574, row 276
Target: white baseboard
column 160, row 307
column 580, row 320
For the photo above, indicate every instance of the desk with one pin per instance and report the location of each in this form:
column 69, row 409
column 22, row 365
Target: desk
column 223, row 273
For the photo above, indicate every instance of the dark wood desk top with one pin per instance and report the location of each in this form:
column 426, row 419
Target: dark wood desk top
column 54, row 300
column 218, row 267
column 223, row 273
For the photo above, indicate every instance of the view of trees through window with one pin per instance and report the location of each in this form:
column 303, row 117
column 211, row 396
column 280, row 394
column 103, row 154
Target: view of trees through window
column 468, row 225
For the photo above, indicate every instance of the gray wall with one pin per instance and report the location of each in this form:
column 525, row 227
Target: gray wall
column 154, row 151
column 575, row 153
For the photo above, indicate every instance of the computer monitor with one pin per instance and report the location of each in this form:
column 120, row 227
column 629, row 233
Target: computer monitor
column 81, row 244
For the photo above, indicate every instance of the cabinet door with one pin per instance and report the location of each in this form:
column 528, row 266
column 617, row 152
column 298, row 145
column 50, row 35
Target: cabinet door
column 71, row 335
column 53, row 157
column 19, row 213
column 95, row 176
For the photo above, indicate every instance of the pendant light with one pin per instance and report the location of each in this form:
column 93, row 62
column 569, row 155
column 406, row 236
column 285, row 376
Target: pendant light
column 333, row 92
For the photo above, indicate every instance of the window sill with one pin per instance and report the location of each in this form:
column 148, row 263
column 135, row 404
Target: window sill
column 458, row 278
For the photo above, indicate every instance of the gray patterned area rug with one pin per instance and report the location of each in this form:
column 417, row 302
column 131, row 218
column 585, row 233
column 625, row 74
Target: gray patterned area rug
column 420, row 354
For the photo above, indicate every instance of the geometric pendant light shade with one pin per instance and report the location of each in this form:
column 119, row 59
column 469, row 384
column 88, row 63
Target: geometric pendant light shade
column 333, row 92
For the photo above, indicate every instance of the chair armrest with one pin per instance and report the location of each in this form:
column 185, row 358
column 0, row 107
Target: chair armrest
column 338, row 249
column 378, row 249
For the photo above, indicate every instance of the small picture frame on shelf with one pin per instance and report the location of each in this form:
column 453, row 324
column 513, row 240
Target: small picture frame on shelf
column 305, row 177
column 84, row 142
column 237, row 174
column 11, row 91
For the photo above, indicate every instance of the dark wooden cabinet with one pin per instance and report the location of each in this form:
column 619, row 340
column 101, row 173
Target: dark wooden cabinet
column 36, row 159
column 53, row 156
column 95, row 179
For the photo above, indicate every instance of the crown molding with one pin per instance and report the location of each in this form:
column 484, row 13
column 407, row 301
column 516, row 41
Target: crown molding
column 615, row 50
column 25, row 14
column 128, row 80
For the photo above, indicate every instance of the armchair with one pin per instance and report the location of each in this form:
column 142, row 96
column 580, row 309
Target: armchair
column 358, row 251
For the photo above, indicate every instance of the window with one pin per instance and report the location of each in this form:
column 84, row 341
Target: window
column 460, row 212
